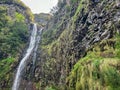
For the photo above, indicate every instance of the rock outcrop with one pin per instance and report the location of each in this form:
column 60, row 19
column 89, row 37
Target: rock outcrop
column 42, row 19
column 78, row 31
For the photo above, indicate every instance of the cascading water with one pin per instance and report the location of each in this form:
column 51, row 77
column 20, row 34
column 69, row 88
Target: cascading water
column 24, row 60
column 36, row 45
column 35, row 51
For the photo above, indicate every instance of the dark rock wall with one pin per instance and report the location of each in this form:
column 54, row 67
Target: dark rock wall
column 72, row 32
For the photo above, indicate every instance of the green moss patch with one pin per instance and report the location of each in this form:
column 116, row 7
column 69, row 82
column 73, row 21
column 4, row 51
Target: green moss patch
column 5, row 66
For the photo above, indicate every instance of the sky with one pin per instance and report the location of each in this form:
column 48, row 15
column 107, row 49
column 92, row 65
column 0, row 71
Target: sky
column 40, row 6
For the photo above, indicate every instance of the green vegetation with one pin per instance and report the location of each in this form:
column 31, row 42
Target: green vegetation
column 13, row 33
column 95, row 74
column 99, row 69
column 50, row 88
column 117, row 46
column 13, row 38
column 79, row 8
column 20, row 4
column 49, row 36
column 74, row 1
column 81, row 47
column 19, row 17
column 5, row 67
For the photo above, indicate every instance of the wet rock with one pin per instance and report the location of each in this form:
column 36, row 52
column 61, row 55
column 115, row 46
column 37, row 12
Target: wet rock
column 96, row 39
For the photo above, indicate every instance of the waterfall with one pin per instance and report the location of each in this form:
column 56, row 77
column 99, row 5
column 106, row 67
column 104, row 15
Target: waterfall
column 36, row 45
column 35, row 51
column 23, row 62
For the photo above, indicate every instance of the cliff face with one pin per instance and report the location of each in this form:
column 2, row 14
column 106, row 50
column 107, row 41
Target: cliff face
column 17, row 5
column 80, row 46
column 42, row 19
column 15, row 25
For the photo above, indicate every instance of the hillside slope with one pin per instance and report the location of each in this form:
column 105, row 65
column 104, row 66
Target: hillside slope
column 15, row 19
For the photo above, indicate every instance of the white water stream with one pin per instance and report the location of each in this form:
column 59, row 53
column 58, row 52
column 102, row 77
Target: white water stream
column 24, row 60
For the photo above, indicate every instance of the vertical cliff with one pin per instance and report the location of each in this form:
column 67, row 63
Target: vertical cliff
column 80, row 46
